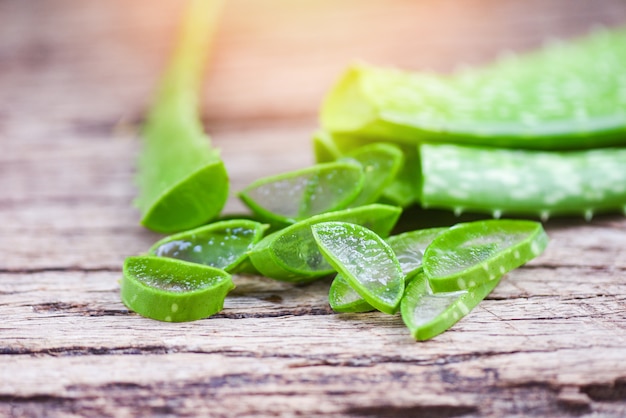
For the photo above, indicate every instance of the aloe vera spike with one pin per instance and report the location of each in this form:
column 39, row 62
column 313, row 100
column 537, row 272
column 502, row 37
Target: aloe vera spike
column 565, row 96
column 181, row 178
column 523, row 182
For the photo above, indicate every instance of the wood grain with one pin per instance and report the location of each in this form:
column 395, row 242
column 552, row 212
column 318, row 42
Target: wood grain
column 75, row 79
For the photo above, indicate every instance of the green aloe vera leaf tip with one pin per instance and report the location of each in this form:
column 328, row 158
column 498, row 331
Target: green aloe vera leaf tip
column 181, row 178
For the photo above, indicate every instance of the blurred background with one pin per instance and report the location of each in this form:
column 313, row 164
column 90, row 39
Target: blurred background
column 273, row 58
column 86, row 69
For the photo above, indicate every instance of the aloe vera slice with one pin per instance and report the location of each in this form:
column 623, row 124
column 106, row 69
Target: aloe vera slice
column 566, row 95
column 292, row 255
column 428, row 314
column 402, row 191
column 222, row 245
column 181, row 178
column 381, row 162
column 172, row 290
column 365, row 260
column 409, row 249
column 297, row 195
column 538, row 183
column 470, row 254
column 410, row 246
column 343, row 298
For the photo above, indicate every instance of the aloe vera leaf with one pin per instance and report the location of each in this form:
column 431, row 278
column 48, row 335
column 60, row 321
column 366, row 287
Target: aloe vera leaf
column 472, row 253
column 365, row 260
column 222, row 245
column 567, row 95
column 181, row 178
column 292, row 255
column 403, row 189
column 523, row 182
column 409, row 248
column 381, row 162
column 296, row 195
column 173, row 290
column 428, row 314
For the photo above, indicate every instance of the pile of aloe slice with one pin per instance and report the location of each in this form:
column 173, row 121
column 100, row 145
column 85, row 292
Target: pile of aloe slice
column 536, row 135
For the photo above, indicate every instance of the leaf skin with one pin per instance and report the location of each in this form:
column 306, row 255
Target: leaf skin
column 567, row 95
column 181, row 178
column 173, row 290
column 523, row 182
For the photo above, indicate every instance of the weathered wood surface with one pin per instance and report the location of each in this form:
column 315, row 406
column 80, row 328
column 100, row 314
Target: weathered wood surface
column 74, row 80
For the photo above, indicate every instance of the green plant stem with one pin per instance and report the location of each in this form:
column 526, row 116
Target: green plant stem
column 181, row 178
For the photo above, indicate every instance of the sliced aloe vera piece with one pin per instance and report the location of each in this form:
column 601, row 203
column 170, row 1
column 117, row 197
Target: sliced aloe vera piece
column 402, row 191
column 567, row 95
column 181, row 178
column 343, row 298
column 291, row 254
column 409, row 249
column 538, row 183
column 172, row 290
column 325, row 148
column 365, row 260
column 381, row 162
column 428, row 314
column 470, row 254
column 222, row 245
column 299, row 194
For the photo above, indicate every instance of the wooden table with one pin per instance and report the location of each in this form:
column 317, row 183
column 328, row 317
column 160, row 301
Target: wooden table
column 75, row 79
